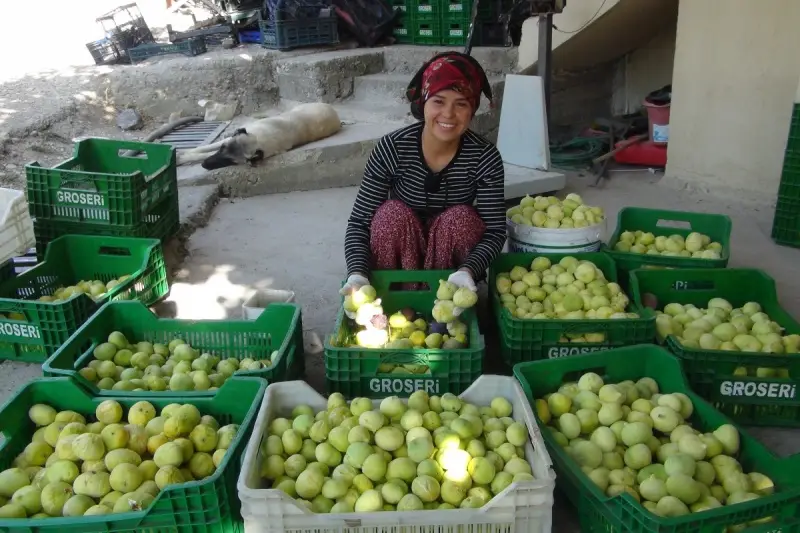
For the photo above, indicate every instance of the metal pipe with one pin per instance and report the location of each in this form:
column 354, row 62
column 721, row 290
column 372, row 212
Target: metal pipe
column 544, row 64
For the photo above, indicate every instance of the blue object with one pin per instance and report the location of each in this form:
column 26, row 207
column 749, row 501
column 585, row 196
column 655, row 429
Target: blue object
column 250, row 36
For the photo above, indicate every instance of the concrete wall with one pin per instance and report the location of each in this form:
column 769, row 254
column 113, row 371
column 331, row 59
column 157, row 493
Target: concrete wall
column 580, row 96
column 644, row 70
column 734, row 81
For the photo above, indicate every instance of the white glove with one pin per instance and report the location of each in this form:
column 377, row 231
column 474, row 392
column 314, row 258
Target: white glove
column 462, row 279
column 353, row 283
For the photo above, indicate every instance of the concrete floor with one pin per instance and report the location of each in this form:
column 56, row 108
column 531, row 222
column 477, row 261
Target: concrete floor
column 294, row 241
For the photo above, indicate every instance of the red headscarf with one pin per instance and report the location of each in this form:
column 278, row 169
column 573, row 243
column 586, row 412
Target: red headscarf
column 449, row 71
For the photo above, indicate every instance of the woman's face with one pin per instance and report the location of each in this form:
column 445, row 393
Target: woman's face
column 447, row 115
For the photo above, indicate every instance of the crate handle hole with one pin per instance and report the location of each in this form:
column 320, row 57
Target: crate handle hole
column 409, row 286
column 114, row 250
column 674, row 224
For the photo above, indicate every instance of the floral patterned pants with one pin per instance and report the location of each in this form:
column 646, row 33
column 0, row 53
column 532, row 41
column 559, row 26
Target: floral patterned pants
column 400, row 241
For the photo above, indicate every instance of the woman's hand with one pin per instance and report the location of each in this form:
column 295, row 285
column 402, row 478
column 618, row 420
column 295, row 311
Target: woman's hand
column 462, row 278
column 353, row 283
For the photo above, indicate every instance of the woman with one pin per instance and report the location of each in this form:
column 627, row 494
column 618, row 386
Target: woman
column 414, row 208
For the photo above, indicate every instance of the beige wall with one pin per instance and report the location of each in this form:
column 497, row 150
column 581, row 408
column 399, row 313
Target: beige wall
column 644, row 70
column 575, row 15
column 734, row 81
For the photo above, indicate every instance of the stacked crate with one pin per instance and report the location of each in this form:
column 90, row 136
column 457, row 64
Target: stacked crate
column 446, row 22
column 404, row 28
column 786, row 224
column 108, row 187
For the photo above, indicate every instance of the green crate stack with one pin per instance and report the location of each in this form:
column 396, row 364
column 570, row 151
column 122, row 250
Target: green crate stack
column 103, row 184
column 210, row 505
column 731, row 380
column 32, row 330
column 786, row 224
column 404, row 28
column 601, row 513
column 108, row 187
column 161, row 223
column 377, row 373
column 426, row 20
column 278, row 329
column 661, row 222
column 456, row 17
column 533, row 339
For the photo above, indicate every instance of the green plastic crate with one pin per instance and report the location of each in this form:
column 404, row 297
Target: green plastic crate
column 102, row 184
column 529, row 340
column 7, row 271
column 433, row 9
column 786, row 221
column 454, row 32
column 403, row 31
column 161, row 223
column 210, row 505
column 31, row 330
column 619, row 514
column 662, row 222
column 356, row 371
column 749, row 400
column 279, row 328
column 427, row 30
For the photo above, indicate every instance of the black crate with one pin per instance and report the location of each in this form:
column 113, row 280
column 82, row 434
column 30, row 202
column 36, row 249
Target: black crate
column 103, row 52
column 131, row 35
column 283, row 32
column 491, row 34
column 212, row 36
column 190, row 47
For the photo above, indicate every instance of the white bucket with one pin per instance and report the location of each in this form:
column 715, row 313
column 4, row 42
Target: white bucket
column 530, row 239
column 255, row 305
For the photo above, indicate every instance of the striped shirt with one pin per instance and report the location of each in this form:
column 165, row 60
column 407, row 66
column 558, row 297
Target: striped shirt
column 396, row 169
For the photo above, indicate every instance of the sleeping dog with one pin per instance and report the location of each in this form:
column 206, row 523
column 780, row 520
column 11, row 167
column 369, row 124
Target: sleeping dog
column 267, row 137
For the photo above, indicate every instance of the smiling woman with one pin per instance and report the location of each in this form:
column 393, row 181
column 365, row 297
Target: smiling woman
column 432, row 196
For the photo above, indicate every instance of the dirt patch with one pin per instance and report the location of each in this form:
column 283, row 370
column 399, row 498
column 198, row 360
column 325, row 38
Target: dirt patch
column 55, row 143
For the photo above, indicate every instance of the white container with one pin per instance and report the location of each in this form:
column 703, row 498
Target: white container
column 530, row 239
column 255, row 305
column 524, row 507
column 16, row 227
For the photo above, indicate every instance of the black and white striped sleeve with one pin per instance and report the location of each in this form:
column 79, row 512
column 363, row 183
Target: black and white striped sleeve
column 374, row 190
column 490, row 204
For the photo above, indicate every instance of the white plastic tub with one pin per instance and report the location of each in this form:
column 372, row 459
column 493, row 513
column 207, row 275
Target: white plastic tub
column 531, row 239
column 16, row 227
column 524, row 507
column 255, row 305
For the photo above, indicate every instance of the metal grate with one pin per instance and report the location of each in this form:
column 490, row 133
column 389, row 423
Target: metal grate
column 194, row 135
column 25, row 262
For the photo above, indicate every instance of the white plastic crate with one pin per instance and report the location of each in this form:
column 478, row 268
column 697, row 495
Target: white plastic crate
column 16, row 227
column 524, row 507
column 255, row 305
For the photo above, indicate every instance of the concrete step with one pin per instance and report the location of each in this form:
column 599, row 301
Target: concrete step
column 337, row 161
column 391, row 87
column 408, row 59
column 326, row 76
column 352, row 111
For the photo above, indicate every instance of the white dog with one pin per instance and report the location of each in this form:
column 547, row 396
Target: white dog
column 267, row 137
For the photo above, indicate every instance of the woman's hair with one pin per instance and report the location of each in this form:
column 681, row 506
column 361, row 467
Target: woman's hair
column 448, row 70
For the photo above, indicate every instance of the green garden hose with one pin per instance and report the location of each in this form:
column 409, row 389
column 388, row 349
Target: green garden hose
column 577, row 153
